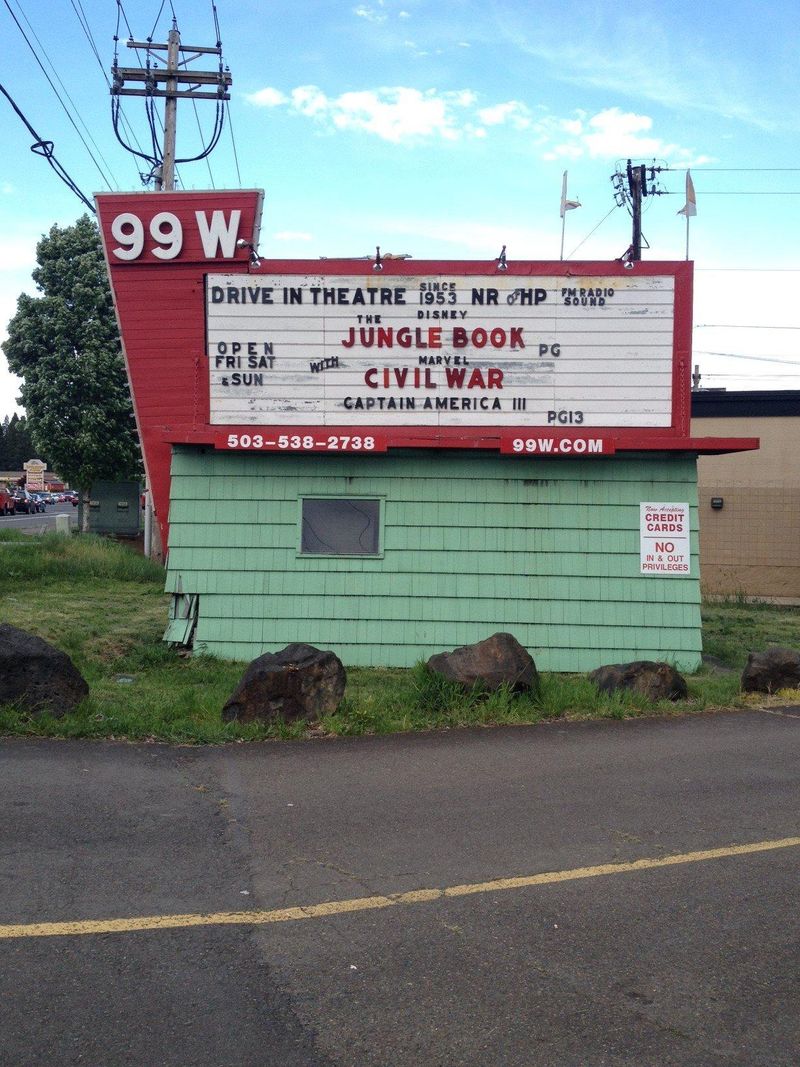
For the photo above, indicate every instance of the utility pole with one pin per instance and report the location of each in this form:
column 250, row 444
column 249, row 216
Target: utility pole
column 637, row 188
column 179, row 84
column 630, row 188
column 170, row 112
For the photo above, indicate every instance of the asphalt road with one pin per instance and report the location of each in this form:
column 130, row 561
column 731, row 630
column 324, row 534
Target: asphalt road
column 41, row 521
column 694, row 963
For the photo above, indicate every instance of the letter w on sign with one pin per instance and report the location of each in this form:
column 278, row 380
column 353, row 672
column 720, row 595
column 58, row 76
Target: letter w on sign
column 220, row 233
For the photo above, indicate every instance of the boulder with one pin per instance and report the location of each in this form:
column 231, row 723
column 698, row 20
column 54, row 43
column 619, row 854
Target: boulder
column 497, row 661
column 36, row 675
column 656, row 681
column 767, row 672
column 299, row 682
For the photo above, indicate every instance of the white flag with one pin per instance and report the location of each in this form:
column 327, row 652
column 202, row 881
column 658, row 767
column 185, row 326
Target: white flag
column 566, row 205
column 690, row 207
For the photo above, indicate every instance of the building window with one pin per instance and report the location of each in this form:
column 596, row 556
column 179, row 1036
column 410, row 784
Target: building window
column 340, row 526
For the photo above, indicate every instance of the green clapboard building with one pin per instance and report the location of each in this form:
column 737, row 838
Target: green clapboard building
column 447, row 548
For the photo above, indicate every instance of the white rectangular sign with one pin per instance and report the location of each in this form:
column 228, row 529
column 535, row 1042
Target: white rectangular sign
column 327, row 350
column 664, row 539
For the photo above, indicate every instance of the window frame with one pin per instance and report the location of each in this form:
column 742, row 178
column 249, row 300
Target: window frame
column 381, row 501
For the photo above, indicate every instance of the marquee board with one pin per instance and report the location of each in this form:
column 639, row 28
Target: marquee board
column 228, row 348
column 441, row 350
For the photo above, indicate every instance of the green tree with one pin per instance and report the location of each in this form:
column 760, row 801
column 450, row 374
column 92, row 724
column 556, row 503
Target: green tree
column 16, row 444
column 65, row 346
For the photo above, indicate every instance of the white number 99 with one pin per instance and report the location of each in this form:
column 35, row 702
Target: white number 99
column 165, row 229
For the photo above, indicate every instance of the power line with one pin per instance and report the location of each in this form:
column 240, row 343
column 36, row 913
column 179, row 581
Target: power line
column 116, row 105
column 233, row 146
column 45, row 148
column 121, row 11
column 739, row 326
column 200, row 131
column 67, row 94
column 216, row 23
column 744, row 170
column 758, row 359
column 744, row 377
column 58, row 96
column 229, row 114
column 84, row 21
column 588, row 235
column 85, row 26
column 153, row 117
column 744, row 192
column 751, row 270
column 155, row 24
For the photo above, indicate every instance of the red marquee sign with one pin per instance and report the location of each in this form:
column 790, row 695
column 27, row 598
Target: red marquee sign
column 530, row 359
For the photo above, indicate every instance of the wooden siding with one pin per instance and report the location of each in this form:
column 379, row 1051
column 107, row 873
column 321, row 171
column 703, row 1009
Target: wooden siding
column 546, row 549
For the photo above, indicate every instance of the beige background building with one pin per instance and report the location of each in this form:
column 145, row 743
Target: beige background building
column 750, row 534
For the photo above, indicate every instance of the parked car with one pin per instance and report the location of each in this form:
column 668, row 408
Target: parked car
column 6, row 501
column 27, row 503
column 72, row 498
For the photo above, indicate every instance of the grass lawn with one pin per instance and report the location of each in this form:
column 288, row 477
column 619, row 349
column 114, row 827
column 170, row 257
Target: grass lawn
column 103, row 604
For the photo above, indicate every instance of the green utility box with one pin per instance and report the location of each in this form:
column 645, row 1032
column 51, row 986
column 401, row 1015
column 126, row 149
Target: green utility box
column 114, row 509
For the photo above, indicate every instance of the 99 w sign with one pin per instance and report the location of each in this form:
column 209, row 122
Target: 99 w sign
column 164, row 235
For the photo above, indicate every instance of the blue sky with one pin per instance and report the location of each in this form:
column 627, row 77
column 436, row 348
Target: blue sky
column 442, row 130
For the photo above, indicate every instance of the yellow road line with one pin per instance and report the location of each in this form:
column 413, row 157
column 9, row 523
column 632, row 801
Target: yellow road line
column 415, row 896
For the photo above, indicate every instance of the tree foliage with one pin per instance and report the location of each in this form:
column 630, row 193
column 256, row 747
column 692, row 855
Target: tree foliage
column 65, row 346
column 16, row 446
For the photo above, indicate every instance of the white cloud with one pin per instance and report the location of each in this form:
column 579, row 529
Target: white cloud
column 400, row 113
column 609, row 134
column 512, row 111
column 622, row 133
column 369, row 13
column 391, row 113
column 462, row 97
column 310, row 101
column 396, row 114
column 420, row 53
column 267, row 98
